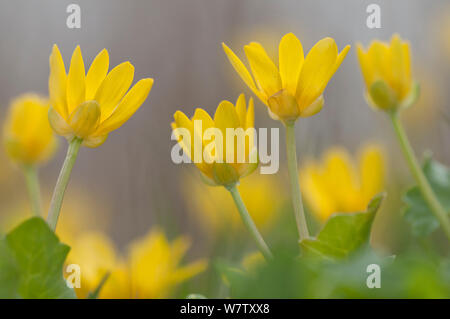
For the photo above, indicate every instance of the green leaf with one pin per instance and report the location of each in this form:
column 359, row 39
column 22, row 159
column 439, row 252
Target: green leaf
column 422, row 220
column 31, row 263
column 343, row 233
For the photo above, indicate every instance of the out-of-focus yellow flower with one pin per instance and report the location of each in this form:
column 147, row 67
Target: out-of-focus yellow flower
column 294, row 88
column 253, row 260
column 214, row 210
column 386, row 69
column 337, row 185
column 154, row 264
column 95, row 254
column 151, row 270
column 215, row 158
column 80, row 214
column 90, row 106
column 27, row 134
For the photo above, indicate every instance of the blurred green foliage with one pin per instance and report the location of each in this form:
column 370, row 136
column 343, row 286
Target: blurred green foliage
column 417, row 213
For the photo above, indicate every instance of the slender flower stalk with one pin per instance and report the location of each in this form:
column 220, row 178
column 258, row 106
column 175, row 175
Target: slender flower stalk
column 32, row 181
column 290, row 90
column 427, row 192
column 248, row 222
column 297, row 202
column 61, row 183
column 386, row 68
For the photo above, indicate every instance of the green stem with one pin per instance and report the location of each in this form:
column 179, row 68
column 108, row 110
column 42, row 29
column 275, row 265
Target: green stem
column 427, row 192
column 248, row 222
column 32, row 181
column 61, row 183
column 299, row 212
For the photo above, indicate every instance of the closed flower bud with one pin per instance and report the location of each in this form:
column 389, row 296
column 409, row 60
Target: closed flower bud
column 386, row 69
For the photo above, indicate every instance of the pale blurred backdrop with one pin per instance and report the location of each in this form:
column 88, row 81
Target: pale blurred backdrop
column 131, row 178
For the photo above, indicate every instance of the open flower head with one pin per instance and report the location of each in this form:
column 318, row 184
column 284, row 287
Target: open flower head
column 90, row 106
column 294, row 88
column 27, row 135
column 337, row 185
column 151, row 268
column 386, row 69
column 223, row 159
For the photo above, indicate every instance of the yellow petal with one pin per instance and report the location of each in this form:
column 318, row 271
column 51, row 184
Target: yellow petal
column 226, row 117
column 339, row 60
column 315, row 72
column 97, row 73
column 372, row 170
column 316, row 192
column 291, row 59
column 341, row 180
column 182, row 121
column 114, row 87
column 186, row 272
column 76, row 82
column 127, row 107
column 379, row 58
column 265, row 72
column 59, row 124
column 94, row 141
column 250, row 120
column 401, row 76
column 241, row 109
column 243, row 72
column 207, row 121
column 366, row 66
column 57, row 82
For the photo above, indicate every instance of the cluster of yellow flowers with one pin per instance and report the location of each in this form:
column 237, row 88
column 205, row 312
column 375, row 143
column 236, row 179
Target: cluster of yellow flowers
column 86, row 107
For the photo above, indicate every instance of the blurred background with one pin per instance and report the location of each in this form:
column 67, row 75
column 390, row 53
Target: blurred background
column 130, row 184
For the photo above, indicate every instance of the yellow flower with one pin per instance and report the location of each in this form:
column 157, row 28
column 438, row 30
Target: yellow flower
column 151, row 270
column 219, row 163
column 337, row 185
column 27, row 134
column 90, row 106
column 154, row 264
column 386, row 69
column 295, row 88
column 95, row 254
column 214, row 210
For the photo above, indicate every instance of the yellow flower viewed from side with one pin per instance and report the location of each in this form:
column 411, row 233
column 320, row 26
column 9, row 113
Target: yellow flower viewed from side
column 151, row 268
column 215, row 212
column 27, row 135
column 337, row 185
column 294, row 88
column 218, row 161
column 386, row 69
column 90, row 106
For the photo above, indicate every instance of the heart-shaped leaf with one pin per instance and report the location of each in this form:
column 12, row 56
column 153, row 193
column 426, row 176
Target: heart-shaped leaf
column 31, row 263
column 417, row 213
column 343, row 233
